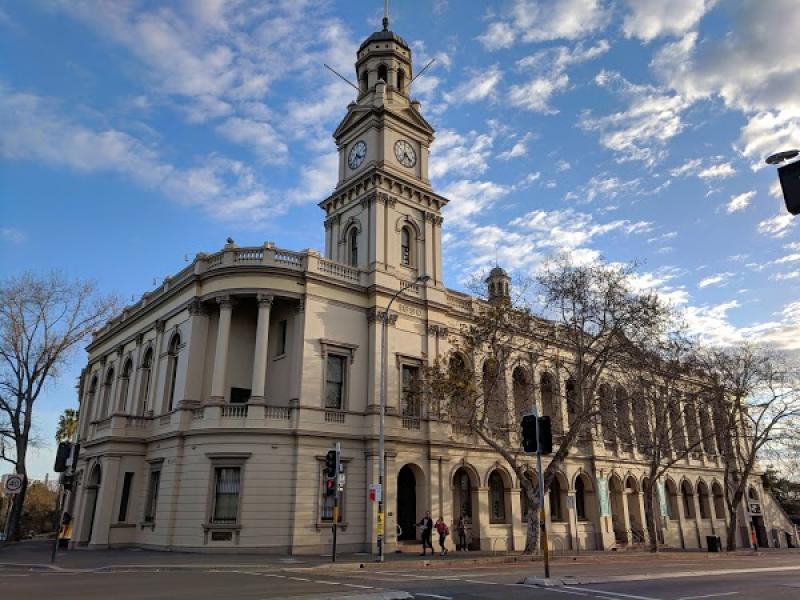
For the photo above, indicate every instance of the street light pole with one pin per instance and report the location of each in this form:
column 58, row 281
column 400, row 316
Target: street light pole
column 381, row 441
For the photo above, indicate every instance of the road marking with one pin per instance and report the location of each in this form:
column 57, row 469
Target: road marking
column 298, row 579
column 361, row 587
column 325, row 582
column 708, row 596
column 620, row 594
column 563, row 591
column 480, row 582
column 433, row 596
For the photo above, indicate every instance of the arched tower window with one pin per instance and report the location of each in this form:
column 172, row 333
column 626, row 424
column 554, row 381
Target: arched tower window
column 107, row 384
column 147, row 367
column 352, row 244
column 521, row 392
column 401, row 80
column 90, row 398
column 364, row 83
column 125, row 384
column 383, row 73
column 172, row 369
column 405, row 246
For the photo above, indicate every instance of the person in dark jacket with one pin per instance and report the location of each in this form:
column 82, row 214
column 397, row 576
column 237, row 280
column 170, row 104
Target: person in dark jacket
column 426, row 524
column 461, row 530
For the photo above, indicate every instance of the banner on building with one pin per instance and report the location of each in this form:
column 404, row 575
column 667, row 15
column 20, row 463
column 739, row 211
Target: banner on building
column 602, row 492
column 662, row 499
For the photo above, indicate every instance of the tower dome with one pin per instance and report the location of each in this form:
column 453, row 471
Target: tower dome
column 498, row 285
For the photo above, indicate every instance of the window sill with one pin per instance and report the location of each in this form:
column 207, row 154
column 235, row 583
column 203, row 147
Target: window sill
column 122, row 526
column 151, row 525
column 222, row 526
column 328, row 524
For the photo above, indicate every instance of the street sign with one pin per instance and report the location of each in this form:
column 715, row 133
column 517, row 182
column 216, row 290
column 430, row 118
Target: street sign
column 375, row 492
column 12, row 483
column 379, row 528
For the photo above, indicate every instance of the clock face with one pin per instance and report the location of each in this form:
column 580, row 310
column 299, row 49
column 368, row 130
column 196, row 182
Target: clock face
column 357, row 154
column 405, row 154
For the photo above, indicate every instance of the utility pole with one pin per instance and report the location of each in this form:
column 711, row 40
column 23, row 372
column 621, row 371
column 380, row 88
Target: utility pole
column 542, row 521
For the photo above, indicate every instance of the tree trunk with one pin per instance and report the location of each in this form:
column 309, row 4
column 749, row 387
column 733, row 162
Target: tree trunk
column 732, row 524
column 532, row 520
column 650, row 517
column 12, row 531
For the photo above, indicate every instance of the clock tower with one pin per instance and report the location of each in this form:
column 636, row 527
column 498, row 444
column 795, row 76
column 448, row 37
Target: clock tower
column 383, row 216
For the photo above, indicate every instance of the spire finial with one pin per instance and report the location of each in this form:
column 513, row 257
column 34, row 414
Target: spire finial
column 386, row 15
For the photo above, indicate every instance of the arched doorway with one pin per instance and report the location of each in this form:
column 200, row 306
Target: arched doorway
column 617, row 495
column 90, row 506
column 465, row 504
column 634, row 510
column 407, row 504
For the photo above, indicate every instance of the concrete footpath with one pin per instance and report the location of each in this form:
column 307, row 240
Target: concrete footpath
column 35, row 555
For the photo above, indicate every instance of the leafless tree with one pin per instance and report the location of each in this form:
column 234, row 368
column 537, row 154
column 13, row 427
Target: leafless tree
column 580, row 321
column 757, row 403
column 664, row 413
column 43, row 319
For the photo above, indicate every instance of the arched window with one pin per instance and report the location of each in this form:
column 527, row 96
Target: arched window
column 364, row 81
column 463, row 495
column 547, row 391
column 752, row 494
column 704, row 500
column 90, row 399
column 107, row 385
column 144, row 387
column 688, row 500
column 719, row 500
column 580, row 499
column 556, row 505
column 606, row 405
column 383, row 73
column 572, row 400
column 494, row 394
column 521, row 392
column 707, row 427
column 672, row 500
column 125, row 384
column 461, row 407
column 622, row 408
column 405, row 247
column 172, row 369
column 524, row 502
column 352, row 243
column 401, row 81
column 497, row 498
column 690, row 417
column 642, row 423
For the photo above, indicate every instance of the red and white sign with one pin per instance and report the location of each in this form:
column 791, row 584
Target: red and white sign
column 12, row 484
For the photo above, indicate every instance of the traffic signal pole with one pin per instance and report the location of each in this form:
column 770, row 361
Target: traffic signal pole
column 336, row 498
column 542, row 520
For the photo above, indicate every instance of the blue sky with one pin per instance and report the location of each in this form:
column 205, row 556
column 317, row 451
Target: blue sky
column 136, row 134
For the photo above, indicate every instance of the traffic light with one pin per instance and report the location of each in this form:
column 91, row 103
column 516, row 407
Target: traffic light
column 330, row 486
column 529, row 439
column 62, row 457
column 545, row 435
column 790, row 183
column 330, row 464
column 529, row 433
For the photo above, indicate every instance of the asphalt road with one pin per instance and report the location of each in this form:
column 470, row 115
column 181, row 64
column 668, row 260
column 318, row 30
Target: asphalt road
column 492, row 582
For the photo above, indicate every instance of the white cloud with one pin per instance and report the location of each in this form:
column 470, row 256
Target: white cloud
column 470, row 198
column 480, row 86
column 549, row 68
column 690, row 167
column 740, row 202
column 720, row 279
column 718, row 171
column 642, row 131
column 455, row 153
column 259, row 135
column 777, row 226
column 546, row 20
column 766, row 133
column 649, row 19
column 12, row 235
column 518, row 150
column 605, row 187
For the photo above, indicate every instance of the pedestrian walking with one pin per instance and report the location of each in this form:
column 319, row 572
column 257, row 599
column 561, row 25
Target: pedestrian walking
column 443, row 531
column 426, row 524
column 461, row 530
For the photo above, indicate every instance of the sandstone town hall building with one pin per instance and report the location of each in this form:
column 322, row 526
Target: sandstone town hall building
column 207, row 407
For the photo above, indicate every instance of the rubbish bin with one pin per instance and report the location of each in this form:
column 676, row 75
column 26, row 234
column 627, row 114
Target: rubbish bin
column 714, row 543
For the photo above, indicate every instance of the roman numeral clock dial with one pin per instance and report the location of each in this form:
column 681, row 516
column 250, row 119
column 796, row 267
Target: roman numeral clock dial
column 405, row 154
column 357, row 154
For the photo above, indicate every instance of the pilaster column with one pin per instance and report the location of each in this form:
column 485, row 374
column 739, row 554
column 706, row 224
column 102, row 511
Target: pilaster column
column 221, row 352
column 262, row 346
column 155, row 372
column 189, row 375
column 626, row 514
column 297, row 344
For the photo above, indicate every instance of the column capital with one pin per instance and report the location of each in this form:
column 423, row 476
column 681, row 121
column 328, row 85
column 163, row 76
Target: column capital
column 265, row 300
column 196, row 307
column 225, row 302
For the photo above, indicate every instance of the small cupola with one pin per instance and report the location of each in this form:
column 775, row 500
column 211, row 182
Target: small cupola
column 384, row 56
column 498, row 286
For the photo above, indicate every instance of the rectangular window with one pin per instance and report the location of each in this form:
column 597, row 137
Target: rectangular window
column 126, row 494
column 152, row 497
column 411, row 405
column 282, row 329
column 334, row 382
column 226, row 495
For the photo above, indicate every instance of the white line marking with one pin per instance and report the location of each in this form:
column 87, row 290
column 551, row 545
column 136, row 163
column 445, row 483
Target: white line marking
column 326, row 582
column 620, row 594
column 434, row 596
column 480, row 582
column 708, row 596
column 298, row 579
column 361, row 587
column 563, row 591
